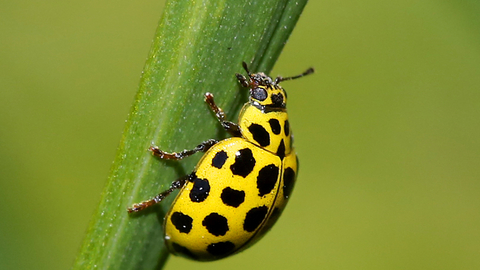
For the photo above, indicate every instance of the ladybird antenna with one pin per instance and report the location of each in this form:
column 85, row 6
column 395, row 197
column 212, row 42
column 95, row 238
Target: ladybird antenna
column 242, row 79
column 281, row 79
column 246, row 68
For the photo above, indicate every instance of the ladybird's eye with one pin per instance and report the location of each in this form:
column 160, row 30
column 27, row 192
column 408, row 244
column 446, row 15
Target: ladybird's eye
column 259, row 94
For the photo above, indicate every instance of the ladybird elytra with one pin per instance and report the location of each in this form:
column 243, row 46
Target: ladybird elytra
column 241, row 185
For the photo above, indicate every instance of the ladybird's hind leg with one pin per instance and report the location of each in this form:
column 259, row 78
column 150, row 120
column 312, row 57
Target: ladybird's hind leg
column 203, row 147
column 230, row 127
column 179, row 183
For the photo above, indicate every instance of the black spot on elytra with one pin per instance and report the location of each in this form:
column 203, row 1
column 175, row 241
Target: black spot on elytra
column 216, row 224
column 182, row 222
column 221, row 248
column 260, row 134
column 266, row 179
column 275, row 125
column 244, row 162
column 219, row 159
column 287, row 128
column 200, row 190
column 288, row 181
column 281, row 149
column 232, row 197
column 183, row 250
column 254, row 218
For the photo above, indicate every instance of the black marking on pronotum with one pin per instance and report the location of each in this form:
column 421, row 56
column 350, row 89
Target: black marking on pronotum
column 260, row 134
column 275, row 126
column 287, row 128
column 269, row 108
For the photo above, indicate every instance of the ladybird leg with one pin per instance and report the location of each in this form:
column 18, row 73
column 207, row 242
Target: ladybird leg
column 137, row 207
column 230, row 127
column 204, row 146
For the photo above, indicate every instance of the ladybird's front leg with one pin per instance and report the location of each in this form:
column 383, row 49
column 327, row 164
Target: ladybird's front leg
column 203, row 147
column 230, row 127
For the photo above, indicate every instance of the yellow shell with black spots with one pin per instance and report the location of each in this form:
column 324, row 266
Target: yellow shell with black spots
column 229, row 202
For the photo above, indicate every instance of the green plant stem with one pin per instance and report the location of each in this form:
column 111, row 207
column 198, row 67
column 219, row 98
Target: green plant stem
column 198, row 47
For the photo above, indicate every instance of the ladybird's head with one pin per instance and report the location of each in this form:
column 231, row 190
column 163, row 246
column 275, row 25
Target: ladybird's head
column 264, row 91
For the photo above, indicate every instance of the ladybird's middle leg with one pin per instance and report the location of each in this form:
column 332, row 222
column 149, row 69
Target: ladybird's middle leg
column 230, row 127
column 203, row 147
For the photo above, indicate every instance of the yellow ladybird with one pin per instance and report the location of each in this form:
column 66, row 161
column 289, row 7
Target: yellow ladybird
column 241, row 185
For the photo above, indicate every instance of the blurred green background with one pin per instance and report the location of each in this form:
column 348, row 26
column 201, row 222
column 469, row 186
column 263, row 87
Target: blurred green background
column 388, row 131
